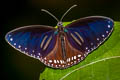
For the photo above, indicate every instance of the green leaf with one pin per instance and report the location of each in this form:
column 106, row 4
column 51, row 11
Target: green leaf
column 102, row 64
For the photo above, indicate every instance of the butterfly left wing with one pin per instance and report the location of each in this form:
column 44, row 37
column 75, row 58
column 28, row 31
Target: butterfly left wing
column 86, row 34
column 36, row 41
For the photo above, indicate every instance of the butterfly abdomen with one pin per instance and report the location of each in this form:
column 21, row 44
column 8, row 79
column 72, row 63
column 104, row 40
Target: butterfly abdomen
column 62, row 37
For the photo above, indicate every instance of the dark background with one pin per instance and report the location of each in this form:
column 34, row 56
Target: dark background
column 16, row 13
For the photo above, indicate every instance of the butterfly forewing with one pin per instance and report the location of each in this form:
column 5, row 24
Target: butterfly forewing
column 87, row 34
column 36, row 41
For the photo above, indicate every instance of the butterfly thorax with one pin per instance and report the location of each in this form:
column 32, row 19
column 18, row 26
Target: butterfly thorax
column 61, row 35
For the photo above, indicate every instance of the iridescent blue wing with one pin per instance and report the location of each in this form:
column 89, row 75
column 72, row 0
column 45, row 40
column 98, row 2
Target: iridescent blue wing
column 36, row 41
column 88, row 33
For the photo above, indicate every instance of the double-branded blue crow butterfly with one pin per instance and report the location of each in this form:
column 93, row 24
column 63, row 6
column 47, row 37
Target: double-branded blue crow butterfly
column 61, row 47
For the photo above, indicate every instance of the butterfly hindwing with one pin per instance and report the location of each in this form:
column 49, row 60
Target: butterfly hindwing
column 86, row 34
column 36, row 41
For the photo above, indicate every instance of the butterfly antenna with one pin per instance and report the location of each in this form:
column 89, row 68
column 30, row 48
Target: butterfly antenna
column 50, row 14
column 67, row 11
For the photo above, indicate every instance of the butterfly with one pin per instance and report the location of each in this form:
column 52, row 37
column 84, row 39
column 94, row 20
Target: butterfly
column 64, row 46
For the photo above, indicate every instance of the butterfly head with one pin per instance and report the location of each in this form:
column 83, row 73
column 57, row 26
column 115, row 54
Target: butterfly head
column 60, row 24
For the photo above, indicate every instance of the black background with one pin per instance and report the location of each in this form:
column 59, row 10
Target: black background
column 16, row 13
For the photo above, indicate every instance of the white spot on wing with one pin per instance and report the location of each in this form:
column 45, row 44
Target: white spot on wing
column 106, row 31
column 68, row 64
column 68, row 59
column 14, row 44
column 61, row 61
column 103, row 35
column 57, row 61
column 71, row 62
column 50, row 61
column 33, row 51
column 19, row 46
column 86, row 48
column 108, row 26
column 11, row 39
column 74, row 57
column 45, row 58
column 98, row 39
column 25, row 48
column 54, row 61
column 79, row 55
column 39, row 54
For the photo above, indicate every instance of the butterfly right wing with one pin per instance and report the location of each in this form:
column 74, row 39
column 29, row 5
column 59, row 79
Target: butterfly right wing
column 85, row 35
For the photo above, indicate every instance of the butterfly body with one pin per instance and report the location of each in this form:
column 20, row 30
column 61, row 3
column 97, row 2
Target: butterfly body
column 62, row 56
column 64, row 46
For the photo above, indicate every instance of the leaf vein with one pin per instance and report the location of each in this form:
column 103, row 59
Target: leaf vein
column 88, row 65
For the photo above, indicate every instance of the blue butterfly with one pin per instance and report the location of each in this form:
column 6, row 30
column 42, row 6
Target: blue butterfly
column 61, row 47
